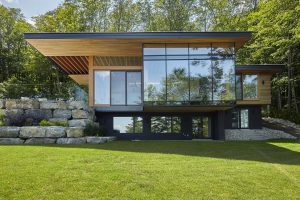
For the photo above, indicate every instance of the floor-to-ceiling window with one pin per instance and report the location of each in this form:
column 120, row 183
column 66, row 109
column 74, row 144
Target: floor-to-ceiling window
column 102, row 87
column 195, row 73
column 118, row 88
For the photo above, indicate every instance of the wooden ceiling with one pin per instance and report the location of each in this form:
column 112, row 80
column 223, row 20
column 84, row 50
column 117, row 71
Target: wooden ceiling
column 117, row 60
column 72, row 64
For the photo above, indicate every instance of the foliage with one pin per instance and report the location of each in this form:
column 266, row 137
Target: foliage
column 93, row 130
column 284, row 114
column 15, row 120
column 2, row 118
column 45, row 122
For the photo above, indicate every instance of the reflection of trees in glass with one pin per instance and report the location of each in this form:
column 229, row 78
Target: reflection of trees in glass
column 178, row 85
column 200, row 80
column 200, row 127
column 249, row 86
column 224, row 80
column 165, row 124
column 136, row 125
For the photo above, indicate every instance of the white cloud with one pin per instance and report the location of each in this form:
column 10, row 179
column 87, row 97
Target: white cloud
column 30, row 21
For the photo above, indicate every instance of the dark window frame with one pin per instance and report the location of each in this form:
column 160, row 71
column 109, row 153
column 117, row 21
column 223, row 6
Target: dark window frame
column 238, row 111
column 211, row 56
column 171, row 124
column 110, row 87
column 134, row 122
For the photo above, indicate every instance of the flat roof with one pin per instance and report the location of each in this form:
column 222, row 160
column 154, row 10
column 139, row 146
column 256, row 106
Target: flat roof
column 134, row 35
column 123, row 44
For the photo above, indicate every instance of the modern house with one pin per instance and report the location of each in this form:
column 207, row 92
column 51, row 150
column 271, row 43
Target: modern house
column 163, row 85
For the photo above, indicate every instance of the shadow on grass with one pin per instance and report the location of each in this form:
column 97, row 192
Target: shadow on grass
column 267, row 151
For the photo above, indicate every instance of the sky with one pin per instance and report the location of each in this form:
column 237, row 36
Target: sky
column 32, row 8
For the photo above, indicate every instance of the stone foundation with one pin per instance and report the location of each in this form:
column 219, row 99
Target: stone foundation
column 256, row 134
column 29, row 112
column 48, row 135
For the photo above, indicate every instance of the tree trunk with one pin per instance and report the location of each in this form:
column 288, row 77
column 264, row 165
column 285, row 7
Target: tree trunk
column 289, row 81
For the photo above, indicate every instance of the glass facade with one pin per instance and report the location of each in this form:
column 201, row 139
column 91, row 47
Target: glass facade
column 195, row 73
column 118, row 88
column 200, row 127
column 249, row 86
column 240, row 118
column 134, row 88
column 162, row 124
column 128, row 125
column 102, row 87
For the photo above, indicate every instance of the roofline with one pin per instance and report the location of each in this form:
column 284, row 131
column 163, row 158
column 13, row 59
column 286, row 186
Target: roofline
column 134, row 35
column 260, row 67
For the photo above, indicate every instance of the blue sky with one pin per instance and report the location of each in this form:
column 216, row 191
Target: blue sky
column 32, row 7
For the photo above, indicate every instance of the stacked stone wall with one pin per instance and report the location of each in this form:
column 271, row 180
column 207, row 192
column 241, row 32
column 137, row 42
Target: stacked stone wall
column 22, row 117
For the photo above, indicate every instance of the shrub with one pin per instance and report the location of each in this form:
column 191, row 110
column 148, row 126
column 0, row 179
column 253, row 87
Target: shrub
column 93, row 130
column 45, row 122
column 1, row 119
column 15, row 120
column 285, row 114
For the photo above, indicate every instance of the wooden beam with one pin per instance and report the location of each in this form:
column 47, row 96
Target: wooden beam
column 91, row 81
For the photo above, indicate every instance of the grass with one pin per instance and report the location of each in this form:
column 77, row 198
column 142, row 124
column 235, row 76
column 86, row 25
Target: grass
column 152, row 170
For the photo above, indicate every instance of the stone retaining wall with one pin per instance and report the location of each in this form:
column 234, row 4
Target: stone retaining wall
column 73, row 113
column 256, row 134
column 47, row 135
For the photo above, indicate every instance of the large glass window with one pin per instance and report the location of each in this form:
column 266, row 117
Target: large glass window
column 240, row 118
column 200, row 51
column 128, row 124
column 102, row 87
column 177, row 80
column 118, row 96
column 238, row 87
column 223, row 79
column 154, row 49
column 249, row 86
column 134, row 88
column 154, row 80
column 244, row 118
column 200, row 80
column 200, row 127
column 118, row 88
column 162, row 124
column 189, row 72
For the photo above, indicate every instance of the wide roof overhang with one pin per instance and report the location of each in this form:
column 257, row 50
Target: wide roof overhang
column 71, row 51
column 122, row 44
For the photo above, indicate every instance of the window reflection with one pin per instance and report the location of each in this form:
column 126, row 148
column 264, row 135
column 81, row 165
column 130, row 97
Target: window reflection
column 154, row 81
column 190, row 72
column 162, row 124
column 154, row 49
column 200, row 80
column 118, row 88
column 128, row 125
column 177, row 80
column 238, row 86
column 223, row 80
column 200, row 127
column 177, row 49
column 249, row 86
column 244, row 118
column 102, row 87
column 133, row 88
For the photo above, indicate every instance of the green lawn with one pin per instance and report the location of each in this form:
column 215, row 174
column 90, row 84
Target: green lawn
column 152, row 170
